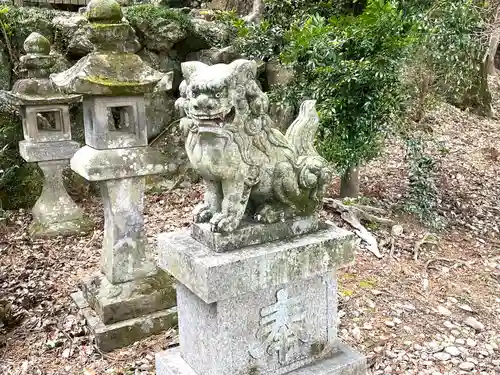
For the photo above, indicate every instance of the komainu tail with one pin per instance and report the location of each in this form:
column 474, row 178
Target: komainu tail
column 302, row 132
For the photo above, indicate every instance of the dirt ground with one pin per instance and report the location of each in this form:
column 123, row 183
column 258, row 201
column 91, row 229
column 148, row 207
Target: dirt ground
column 436, row 314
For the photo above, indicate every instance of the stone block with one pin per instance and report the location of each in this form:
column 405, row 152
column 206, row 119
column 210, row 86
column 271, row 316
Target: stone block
column 55, row 213
column 115, row 122
column 81, row 225
column 126, row 255
column 45, row 151
column 117, row 335
column 218, row 276
column 344, row 362
column 117, row 302
column 284, row 327
column 103, row 165
column 252, row 233
column 46, row 123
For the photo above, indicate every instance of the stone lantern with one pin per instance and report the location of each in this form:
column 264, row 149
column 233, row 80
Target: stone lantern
column 129, row 299
column 47, row 140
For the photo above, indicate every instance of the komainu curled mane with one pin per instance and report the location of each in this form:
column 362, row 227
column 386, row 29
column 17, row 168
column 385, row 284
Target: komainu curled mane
column 249, row 167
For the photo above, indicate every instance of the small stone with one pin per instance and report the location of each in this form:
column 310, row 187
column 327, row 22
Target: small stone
column 66, row 353
column 466, row 366
column 449, row 324
column 409, row 307
column 370, row 303
column 356, row 333
column 389, row 323
column 455, row 332
column 471, row 343
column 397, row 230
column 452, row 300
column 443, row 311
column 452, row 350
column 442, row 356
column 434, row 347
column 474, row 323
column 455, row 361
column 466, row 308
column 367, row 326
column 460, row 341
column 397, row 321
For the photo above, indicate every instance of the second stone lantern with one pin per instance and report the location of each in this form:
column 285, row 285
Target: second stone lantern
column 47, row 140
column 129, row 299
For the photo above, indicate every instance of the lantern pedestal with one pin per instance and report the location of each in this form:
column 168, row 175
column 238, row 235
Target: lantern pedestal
column 55, row 213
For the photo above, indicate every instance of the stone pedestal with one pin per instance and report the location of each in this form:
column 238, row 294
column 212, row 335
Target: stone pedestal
column 47, row 134
column 54, row 212
column 269, row 308
column 120, row 314
column 129, row 299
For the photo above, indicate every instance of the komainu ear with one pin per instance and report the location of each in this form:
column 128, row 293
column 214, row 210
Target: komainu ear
column 190, row 67
column 244, row 68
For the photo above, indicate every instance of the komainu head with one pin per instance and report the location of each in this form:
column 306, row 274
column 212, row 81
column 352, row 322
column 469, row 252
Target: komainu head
column 222, row 96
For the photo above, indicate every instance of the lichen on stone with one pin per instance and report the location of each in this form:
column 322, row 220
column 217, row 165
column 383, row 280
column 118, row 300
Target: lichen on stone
column 36, row 43
column 104, row 10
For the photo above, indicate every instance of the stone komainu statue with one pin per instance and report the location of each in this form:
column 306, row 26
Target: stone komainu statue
column 249, row 167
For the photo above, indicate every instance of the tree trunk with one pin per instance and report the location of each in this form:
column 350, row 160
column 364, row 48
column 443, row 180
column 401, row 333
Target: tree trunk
column 479, row 97
column 349, row 184
column 490, row 57
column 257, row 12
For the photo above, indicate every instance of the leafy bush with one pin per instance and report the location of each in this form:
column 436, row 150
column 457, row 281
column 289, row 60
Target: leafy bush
column 422, row 195
column 352, row 66
column 448, row 53
column 265, row 40
column 20, row 183
column 149, row 13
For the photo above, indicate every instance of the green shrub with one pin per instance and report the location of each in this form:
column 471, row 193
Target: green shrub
column 20, row 182
column 148, row 13
column 448, row 53
column 352, row 66
column 265, row 40
column 422, row 195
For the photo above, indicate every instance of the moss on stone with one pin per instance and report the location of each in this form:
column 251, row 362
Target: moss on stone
column 37, row 43
column 104, row 10
column 162, row 282
column 76, row 226
column 317, row 348
column 105, row 81
column 148, row 13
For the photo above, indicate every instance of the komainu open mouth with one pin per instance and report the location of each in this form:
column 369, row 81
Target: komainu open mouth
column 217, row 119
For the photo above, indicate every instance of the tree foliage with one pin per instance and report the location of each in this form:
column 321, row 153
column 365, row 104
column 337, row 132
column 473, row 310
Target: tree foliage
column 351, row 65
column 448, row 51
